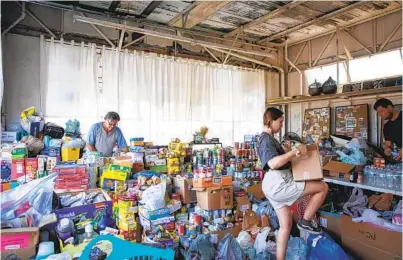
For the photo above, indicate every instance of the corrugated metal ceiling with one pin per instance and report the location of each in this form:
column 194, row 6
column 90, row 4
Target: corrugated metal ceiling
column 238, row 13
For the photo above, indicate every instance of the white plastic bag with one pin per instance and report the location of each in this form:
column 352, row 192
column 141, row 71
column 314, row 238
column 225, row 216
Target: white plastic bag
column 245, row 240
column 154, row 197
column 260, row 241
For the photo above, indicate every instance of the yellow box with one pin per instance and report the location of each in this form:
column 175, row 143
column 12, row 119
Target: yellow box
column 70, row 154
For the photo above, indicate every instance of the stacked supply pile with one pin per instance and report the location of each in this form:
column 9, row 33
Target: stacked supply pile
column 137, row 150
column 156, row 158
column 157, row 210
column 114, row 177
column 71, row 177
column 176, row 156
column 18, row 155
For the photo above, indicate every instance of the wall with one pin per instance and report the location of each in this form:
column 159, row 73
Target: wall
column 21, row 75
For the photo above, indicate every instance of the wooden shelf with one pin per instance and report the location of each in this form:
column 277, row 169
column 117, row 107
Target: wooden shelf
column 342, row 96
column 362, row 186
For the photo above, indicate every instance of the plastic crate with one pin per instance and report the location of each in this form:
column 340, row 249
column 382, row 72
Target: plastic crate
column 70, row 154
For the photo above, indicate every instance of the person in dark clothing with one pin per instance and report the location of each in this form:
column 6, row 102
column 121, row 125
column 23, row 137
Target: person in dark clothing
column 278, row 184
column 392, row 129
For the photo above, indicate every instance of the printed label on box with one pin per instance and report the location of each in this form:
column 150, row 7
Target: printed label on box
column 13, row 242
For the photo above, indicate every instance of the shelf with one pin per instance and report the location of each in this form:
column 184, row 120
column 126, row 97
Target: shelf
column 361, row 186
column 346, row 96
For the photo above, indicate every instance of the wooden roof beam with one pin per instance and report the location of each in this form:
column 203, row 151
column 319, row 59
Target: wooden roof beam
column 314, row 21
column 265, row 17
column 198, row 13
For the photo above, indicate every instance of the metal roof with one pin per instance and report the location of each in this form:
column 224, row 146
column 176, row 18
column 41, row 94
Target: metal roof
column 233, row 15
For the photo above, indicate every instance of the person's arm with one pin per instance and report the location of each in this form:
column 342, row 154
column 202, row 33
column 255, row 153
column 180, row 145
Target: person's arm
column 278, row 161
column 388, row 148
column 92, row 138
column 121, row 141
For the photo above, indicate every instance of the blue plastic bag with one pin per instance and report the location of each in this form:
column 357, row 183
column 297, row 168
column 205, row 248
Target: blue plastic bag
column 266, row 208
column 297, row 249
column 201, row 248
column 323, row 247
column 265, row 255
column 228, row 248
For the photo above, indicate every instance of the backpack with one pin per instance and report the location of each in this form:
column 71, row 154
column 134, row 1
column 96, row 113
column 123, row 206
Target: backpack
column 53, row 130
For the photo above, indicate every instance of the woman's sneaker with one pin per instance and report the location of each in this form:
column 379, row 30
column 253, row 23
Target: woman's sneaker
column 309, row 226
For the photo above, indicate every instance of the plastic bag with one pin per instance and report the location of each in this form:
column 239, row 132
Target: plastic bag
column 356, row 204
column 260, row 241
column 55, row 142
column 357, row 143
column 356, row 157
column 397, row 214
column 74, row 143
column 154, row 197
column 297, row 249
column 323, row 247
column 245, row 240
column 201, row 248
column 34, row 145
column 26, row 205
column 266, row 208
column 228, row 248
column 73, row 128
column 265, row 255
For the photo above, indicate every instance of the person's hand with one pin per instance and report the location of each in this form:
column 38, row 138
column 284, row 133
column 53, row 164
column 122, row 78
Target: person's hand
column 388, row 151
column 302, row 149
column 398, row 157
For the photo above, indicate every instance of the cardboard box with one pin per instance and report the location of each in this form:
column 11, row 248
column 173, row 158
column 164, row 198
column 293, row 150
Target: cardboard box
column 372, row 236
column 307, row 167
column 203, row 183
column 19, row 243
column 216, row 236
column 18, row 170
column 8, row 136
column 31, row 168
column 361, row 250
column 256, row 190
column 243, row 204
column 339, row 169
column 100, row 212
column 331, row 223
column 379, row 162
column 184, row 188
column 215, row 198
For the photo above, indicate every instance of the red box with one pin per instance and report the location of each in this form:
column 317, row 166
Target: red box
column 18, row 170
column 379, row 162
column 31, row 168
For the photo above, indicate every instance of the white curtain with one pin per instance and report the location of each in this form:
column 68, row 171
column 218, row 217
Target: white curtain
column 160, row 98
column 68, row 82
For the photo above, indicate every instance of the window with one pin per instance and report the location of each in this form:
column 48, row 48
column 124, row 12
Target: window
column 321, row 74
column 386, row 64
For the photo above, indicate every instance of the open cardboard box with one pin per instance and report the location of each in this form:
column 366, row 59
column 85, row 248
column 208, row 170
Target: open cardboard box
column 215, row 198
column 256, row 190
column 216, row 236
column 19, row 243
column 339, row 169
column 370, row 242
column 183, row 186
column 307, row 167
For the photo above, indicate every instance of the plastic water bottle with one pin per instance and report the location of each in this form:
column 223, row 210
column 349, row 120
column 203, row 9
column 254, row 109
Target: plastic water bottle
column 389, row 179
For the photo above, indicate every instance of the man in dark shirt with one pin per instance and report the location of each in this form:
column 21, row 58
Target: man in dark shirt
column 392, row 130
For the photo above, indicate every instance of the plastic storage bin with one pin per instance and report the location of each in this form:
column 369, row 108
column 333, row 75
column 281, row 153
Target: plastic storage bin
column 70, row 154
